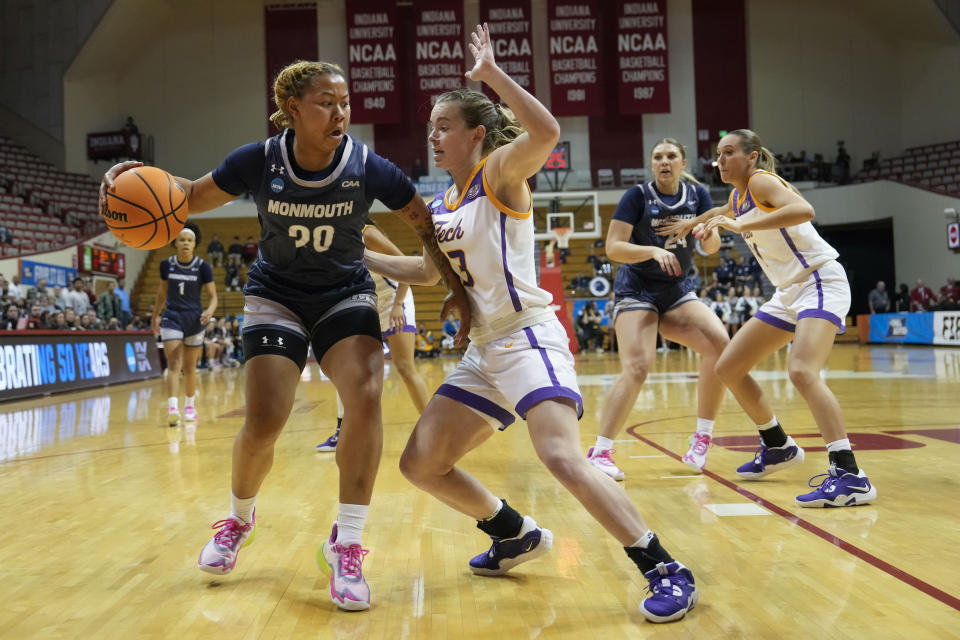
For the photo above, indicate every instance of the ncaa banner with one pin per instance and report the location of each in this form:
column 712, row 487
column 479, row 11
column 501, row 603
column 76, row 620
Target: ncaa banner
column 509, row 24
column 643, row 80
column 440, row 51
column 290, row 33
column 55, row 275
column 372, row 42
column 573, row 29
column 35, row 362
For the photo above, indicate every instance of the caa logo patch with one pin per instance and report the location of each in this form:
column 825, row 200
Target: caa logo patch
column 473, row 191
column 276, row 185
column 350, row 184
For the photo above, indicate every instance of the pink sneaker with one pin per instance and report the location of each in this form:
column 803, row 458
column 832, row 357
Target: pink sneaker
column 219, row 556
column 348, row 589
column 602, row 460
column 696, row 455
column 189, row 414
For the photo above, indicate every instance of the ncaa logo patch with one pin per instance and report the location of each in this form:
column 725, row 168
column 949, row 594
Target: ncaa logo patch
column 276, row 185
column 131, row 358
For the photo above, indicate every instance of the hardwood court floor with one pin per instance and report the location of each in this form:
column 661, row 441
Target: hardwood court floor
column 105, row 510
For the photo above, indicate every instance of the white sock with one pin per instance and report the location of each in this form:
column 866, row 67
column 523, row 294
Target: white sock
column 350, row 521
column 769, row 425
column 705, row 426
column 339, row 407
column 188, row 402
column 242, row 508
column 644, row 540
column 173, row 402
column 603, row 444
column 839, row 445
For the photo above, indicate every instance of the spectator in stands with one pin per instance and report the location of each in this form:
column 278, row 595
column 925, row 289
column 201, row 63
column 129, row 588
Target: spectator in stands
column 742, row 275
column 694, row 276
column 754, row 302
column 755, row 269
column 6, row 237
column 76, row 297
column 88, row 289
column 59, row 322
column 901, row 299
column 109, row 305
column 124, row 302
column 425, row 348
column 215, row 252
column 842, row 164
column 232, row 279
column 726, row 240
column 113, row 324
column 34, row 321
column 46, row 304
column 250, row 250
column 713, row 286
column 70, row 316
column 229, row 341
column 721, row 307
column 11, row 318
column 949, row 293
column 589, row 323
column 83, row 323
column 450, row 328
column 922, row 298
column 704, row 297
column 213, row 343
column 724, row 274
column 93, row 322
column 40, row 289
column 14, row 290
column 878, row 300
column 57, row 299
column 235, row 252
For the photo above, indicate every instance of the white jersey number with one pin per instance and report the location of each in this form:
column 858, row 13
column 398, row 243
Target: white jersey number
column 181, row 289
column 322, row 236
column 673, row 242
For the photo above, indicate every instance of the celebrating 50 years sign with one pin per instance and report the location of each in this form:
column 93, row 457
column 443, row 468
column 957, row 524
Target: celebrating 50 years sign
column 34, row 363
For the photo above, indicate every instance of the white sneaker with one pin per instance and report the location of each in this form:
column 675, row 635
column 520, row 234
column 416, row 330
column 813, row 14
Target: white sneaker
column 219, row 556
column 601, row 459
column 190, row 414
column 696, row 455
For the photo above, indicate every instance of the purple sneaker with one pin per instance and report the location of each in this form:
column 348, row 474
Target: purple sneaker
column 770, row 459
column 506, row 553
column 839, row 488
column 673, row 593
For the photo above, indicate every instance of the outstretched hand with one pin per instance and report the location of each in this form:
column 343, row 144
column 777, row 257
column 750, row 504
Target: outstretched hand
column 720, row 221
column 482, row 51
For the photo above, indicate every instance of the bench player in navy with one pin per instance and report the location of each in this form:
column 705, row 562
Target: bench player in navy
column 313, row 186
column 179, row 319
column 651, row 289
column 519, row 360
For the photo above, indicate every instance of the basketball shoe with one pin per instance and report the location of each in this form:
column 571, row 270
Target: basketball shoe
column 601, row 459
column 190, row 414
column 173, row 416
column 348, row 589
column 839, row 488
column 770, row 459
column 505, row 553
column 673, row 593
column 696, row 455
column 219, row 556
column 330, row 444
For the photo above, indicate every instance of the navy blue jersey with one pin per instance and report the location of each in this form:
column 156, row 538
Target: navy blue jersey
column 311, row 237
column 646, row 208
column 185, row 283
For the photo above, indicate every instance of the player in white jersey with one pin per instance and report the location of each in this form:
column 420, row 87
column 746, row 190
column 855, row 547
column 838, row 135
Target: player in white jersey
column 519, row 359
column 809, row 306
column 397, row 325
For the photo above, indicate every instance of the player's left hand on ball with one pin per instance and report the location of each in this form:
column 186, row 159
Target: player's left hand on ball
column 110, row 176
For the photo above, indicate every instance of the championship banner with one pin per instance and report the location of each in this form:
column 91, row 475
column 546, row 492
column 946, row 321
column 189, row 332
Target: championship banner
column 290, row 33
column 440, row 51
column 38, row 362
column 509, row 24
column 643, row 79
column 576, row 87
column 373, row 41
column 55, row 275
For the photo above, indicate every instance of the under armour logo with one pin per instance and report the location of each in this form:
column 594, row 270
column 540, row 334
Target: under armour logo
column 265, row 340
column 279, row 341
column 275, row 169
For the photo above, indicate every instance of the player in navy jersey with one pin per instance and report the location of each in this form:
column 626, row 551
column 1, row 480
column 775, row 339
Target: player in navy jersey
column 179, row 319
column 313, row 185
column 519, row 361
column 651, row 291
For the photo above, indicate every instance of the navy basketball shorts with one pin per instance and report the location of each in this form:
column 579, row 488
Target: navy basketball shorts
column 181, row 325
column 652, row 297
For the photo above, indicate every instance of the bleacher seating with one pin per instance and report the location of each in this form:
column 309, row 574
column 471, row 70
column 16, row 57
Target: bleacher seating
column 44, row 208
column 935, row 167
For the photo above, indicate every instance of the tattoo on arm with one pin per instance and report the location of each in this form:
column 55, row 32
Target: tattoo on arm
column 418, row 216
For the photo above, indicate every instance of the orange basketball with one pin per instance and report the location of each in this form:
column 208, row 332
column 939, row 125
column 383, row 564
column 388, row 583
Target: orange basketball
column 146, row 208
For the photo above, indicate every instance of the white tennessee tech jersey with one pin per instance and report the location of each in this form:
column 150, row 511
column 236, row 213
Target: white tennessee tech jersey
column 491, row 247
column 387, row 292
column 787, row 255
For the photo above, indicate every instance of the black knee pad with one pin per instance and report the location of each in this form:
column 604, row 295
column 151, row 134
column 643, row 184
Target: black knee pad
column 275, row 341
column 354, row 321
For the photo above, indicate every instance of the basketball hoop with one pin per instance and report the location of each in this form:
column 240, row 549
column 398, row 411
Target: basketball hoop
column 561, row 241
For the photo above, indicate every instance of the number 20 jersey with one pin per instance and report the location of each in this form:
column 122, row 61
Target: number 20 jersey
column 311, row 235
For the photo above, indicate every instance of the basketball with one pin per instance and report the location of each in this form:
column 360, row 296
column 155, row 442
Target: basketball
column 146, row 208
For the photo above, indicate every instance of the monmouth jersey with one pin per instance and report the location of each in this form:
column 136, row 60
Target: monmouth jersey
column 311, row 223
column 646, row 209
column 786, row 255
column 185, row 283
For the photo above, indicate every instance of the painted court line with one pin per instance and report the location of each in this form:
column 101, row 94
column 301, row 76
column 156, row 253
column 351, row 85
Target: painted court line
column 738, row 509
column 693, row 476
column 660, row 455
column 886, row 567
